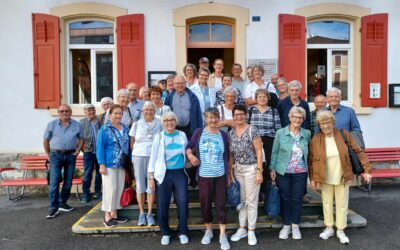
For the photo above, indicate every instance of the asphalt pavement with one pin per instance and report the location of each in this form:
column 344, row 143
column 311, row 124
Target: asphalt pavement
column 23, row 226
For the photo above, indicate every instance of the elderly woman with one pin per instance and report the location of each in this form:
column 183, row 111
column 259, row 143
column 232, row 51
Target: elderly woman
column 169, row 86
column 105, row 103
column 283, row 90
column 257, row 72
column 209, row 149
column 226, row 122
column 267, row 121
column 142, row 134
column 190, row 72
column 144, row 93
column 330, row 170
column 123, row 99
column 289, row 168
column 112, row 143
column 246, row 149
column 167, row 162
column 155, row 93
column 227, row 82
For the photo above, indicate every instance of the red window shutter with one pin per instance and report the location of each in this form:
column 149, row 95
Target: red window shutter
column 130, row 49
column 292, row 49
column 46, row 60
column 374, row 58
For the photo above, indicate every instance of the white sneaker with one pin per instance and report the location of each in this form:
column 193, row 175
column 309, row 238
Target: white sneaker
column 342, row 237
column 165, row 240
column 296, row 235
column 328, row 232
column 223, row 240
column 240, row 234
column 184, row 239
column 208, row 235
column 284, row 233
column 251, row 238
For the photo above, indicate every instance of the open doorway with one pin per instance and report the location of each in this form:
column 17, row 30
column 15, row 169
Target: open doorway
column 226, row 54
column 316, row 73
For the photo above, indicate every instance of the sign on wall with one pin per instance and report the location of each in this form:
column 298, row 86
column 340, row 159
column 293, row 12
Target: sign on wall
column 270, row 66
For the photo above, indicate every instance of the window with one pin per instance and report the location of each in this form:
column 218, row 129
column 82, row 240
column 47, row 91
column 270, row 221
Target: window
column 329, row 47
column 214, row 33
column 91, row 61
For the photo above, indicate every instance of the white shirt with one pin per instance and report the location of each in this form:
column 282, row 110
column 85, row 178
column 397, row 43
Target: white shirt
column 251, row 88
column 144, row 133
column 218, row 84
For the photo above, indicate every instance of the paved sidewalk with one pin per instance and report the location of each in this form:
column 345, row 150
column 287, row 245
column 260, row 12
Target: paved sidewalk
column 23, row 226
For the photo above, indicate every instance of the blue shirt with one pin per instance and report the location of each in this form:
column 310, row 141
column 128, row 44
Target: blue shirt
column 63, row 138
column 211, row 148
column 206, row 94
column 108, row 151
column 174, row 158
column 136, row 108
column 284, row 107
column 345, row 119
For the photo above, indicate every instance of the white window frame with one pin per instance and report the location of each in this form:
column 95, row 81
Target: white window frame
column 341, row 47
column 93, row 49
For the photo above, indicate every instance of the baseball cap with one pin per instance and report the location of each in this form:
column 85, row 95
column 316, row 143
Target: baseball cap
column 88, row 106
column 204, row 59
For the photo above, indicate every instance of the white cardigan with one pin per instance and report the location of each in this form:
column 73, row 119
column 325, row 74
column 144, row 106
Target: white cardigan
column 195, row 88
column 157, row 157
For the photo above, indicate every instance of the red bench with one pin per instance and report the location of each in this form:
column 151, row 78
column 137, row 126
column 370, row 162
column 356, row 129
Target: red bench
column 382, row 155
column 33, row 163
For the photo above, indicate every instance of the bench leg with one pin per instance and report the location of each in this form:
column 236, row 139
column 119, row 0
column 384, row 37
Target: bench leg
column 16, row 198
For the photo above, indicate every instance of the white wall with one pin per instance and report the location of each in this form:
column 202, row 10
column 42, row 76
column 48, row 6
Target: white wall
column 21, row 126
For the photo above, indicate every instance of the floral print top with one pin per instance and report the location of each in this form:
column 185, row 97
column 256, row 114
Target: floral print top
column 242, row 148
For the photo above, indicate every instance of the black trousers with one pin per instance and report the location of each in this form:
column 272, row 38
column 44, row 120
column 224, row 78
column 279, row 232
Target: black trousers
column 267, row 146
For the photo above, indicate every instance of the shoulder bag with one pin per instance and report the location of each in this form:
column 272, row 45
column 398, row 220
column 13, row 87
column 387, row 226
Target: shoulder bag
column 355, row 161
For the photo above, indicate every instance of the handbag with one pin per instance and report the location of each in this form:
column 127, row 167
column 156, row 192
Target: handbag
column 125, row 160
column 272, row 205
column 355, row 161
column 128, row 194
column 234, row 194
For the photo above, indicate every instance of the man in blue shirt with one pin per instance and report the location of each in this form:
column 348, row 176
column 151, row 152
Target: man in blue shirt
column 62, row 142
column 135, row 106
column 293, row 99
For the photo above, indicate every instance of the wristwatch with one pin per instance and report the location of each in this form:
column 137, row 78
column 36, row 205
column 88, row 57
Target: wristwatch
column 259, row 169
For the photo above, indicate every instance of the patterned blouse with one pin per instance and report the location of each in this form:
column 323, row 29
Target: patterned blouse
column 220, row 98
column 242, row 148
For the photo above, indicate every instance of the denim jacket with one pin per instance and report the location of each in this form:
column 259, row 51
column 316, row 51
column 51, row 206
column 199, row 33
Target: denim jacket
column 108, row 151
column 282, row 148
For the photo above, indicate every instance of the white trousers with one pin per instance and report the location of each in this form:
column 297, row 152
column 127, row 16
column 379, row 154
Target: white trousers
column 113, row 185
column 249, row 189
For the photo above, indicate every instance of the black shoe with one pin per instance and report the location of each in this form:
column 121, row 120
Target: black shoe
column 53, row 213
column 110, row 223
column 65, row 208
column 120, row 219
column 97, row 196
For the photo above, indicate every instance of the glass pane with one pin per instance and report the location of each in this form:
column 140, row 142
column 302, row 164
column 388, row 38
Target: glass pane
column 81, row 79
column 221, row 32
column 91, row 32
column 104, row 74
column 328, row 32
column 199, row 32
column 316, row 73
column 340, row 72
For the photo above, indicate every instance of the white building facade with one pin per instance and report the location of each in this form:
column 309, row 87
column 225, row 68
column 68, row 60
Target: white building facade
column 76, row 52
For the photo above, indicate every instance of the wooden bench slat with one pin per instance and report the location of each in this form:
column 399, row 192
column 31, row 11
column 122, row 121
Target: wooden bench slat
column 33, row 182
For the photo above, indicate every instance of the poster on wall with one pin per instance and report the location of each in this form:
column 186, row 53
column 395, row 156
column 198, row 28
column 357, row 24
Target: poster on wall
column 374, row 90
column 270, row 66
column 154, row 76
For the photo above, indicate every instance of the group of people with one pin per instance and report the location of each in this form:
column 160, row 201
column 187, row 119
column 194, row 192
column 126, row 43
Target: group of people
column 201, row 121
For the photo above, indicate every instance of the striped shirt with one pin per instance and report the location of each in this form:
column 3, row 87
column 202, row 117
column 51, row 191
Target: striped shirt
column 174, row 158
column 211, row 147
column 267, row 123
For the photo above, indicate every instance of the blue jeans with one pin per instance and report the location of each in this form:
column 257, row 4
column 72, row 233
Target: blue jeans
column 57, row 162
column 91, row 163
column 292, row 188
column 175, row 181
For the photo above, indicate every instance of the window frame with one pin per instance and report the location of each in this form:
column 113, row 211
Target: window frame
column 210, row 44
column 93, row 49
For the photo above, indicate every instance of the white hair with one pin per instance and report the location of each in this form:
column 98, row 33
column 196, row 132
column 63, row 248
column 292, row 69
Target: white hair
column 123, row 92
column 297, row 109
column 231, row 89
column 169, row 115
column 106, row 100
column 295, row 84
column 333, row 89
column 150, row 103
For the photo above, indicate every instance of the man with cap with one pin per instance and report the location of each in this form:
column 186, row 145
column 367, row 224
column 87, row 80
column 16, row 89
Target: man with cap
column 203, row 62
column 62, row 142
column 91, row 126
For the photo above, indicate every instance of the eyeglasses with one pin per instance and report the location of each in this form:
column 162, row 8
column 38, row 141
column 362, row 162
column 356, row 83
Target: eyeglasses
column 169, row 120
column 64, row 111
column 297, row 117
column 206, row 75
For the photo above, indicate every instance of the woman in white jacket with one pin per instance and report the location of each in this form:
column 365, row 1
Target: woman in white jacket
column 167, row 169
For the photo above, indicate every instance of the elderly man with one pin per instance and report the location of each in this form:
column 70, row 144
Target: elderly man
column 293, row 99
column 274, row 81
column 319, row 103
column 215, row 80
column 62, row 142
column 91, row 126
column 237, row 80
column 105, row 103
column 135, row 105
column 144, row 93
column 204, row 62
column 205, row 94
column 186, row 106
